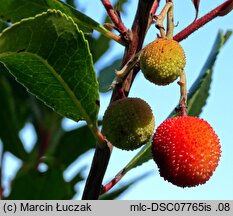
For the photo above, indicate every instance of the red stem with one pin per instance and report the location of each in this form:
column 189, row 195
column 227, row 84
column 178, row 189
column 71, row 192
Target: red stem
column 114, row 16
column 202, row 21
column 183, row 110
column 109, row 185
column 154, row 7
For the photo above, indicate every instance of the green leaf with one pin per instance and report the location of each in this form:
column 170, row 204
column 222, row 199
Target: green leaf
column 197, row 97
column 71, row 3
column 73, row 144
column 199, row 91
column 98, row 46
column 30, row 184
column 107, row 75
column 3, row 25
column 15, row 10
column 9, row 121
column 29, row 108
column 20, row 97
column 141, row 157
column 52, row 60
column 18, row 90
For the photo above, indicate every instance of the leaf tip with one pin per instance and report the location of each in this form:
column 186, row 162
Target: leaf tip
column 196, row 4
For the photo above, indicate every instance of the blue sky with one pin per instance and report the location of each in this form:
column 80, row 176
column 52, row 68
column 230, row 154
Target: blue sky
column 218, row 111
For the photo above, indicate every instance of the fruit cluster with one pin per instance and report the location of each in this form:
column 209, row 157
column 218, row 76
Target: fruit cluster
column 185, row 149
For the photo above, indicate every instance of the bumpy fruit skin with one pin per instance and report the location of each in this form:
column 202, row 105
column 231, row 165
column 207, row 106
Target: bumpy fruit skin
column 186, row 150
column 128, row 123
column 162, row 61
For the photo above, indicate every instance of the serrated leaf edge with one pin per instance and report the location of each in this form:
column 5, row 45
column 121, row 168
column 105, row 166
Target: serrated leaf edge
column 66, row 87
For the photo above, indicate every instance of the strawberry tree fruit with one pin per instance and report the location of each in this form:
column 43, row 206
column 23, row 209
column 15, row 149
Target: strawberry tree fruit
column 162, row 61
column 128, row 123
column 186, row 150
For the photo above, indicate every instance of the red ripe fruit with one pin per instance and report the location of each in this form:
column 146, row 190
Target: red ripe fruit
column 186, row 150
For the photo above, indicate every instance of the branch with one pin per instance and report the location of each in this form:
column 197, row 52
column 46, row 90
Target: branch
column 154, row 7
column 101, row 158
column 137, row 36
column 115, row 17
column 221, row 10
column 98, row 168
column 152, row 12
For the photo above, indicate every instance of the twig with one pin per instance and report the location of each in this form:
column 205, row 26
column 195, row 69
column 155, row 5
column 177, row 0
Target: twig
column 113, row 182
column 154, row 7
column 132, row 164
column 218, row 11
column 115, row 17
column 160, row 18
column 111, row 35
column 183, row 95
column 129, row 65
column 170, row 21
column 152, row 12
column 137, row 35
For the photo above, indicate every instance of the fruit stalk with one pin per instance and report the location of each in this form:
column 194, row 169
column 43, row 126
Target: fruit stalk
column 160, row 18
column 128, row 66
column 170, row 21
column 183, row 94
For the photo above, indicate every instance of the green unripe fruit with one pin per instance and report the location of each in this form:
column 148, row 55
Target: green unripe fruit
column 128, row 123
column 162, row 61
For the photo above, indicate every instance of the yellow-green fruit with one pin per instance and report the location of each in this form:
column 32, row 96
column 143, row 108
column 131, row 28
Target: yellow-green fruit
column 128, row 123
column 162, row 61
